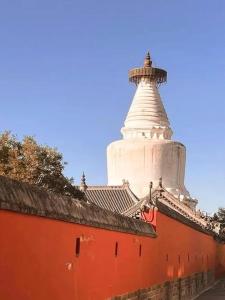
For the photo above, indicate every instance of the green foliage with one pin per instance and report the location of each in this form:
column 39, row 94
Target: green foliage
column 220, row 218
column 36, row 164
column 221, row 214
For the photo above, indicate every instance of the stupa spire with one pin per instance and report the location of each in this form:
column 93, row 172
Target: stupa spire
column 146, row 152
column 147, row 61
column 147, row 117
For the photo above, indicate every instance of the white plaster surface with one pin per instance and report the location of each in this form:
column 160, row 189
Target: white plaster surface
column 146, row 117
column 142, row 161
column 146, row 151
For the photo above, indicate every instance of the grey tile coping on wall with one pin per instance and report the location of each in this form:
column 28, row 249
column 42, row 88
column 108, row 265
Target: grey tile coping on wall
column 31, row 200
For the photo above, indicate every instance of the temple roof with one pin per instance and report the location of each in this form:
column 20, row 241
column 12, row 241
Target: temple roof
column 120, row 199
column 115, row 198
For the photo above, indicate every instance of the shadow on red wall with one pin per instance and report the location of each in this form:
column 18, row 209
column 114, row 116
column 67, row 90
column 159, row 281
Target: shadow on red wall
column 46, row 259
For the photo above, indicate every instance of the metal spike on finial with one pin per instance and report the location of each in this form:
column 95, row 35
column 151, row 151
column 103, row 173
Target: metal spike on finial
column 160, row 182
column 83, row 179
column 160, row 187
column 83, row 185
column 150, row 191
column 147, row 61
column 151, row 185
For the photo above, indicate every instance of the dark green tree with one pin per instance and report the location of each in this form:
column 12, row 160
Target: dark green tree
column 220, row 218
column 221, row 214
column 30, row 162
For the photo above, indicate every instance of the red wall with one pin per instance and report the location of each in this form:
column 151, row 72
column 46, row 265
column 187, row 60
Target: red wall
column 188, row 250
column 220, row 260
column 38, row 259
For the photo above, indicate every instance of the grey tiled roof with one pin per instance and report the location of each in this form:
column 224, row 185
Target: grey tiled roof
column 114, row 198
column 130, row 212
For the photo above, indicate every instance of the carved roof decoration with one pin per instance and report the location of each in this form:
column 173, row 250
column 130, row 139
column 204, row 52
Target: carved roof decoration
column 121, row 199
column 166, row 203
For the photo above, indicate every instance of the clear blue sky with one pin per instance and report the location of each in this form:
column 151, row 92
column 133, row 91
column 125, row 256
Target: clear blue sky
column 63, row 78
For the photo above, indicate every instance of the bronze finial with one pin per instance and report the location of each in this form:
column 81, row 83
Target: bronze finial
column 147, row 61
column 147, row 71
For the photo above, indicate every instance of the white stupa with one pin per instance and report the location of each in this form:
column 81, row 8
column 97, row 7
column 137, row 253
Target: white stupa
column 146, row 151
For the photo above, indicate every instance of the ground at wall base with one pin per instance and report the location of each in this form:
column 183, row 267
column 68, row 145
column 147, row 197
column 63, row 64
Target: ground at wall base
column 217, row 292
column 187, row 288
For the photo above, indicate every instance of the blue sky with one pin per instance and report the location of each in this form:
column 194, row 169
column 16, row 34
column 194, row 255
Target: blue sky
column 63, row 79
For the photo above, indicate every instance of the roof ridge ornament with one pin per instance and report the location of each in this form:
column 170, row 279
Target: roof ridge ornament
column 125, row 183
column 83, row 185
column 160, row 187
column 150, row 192
column 160, row 182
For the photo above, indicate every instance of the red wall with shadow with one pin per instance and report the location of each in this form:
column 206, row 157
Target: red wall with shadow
column 46, row 259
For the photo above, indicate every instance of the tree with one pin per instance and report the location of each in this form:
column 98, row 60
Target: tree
column 220, row 215
column 30, row 162
column 220, row 218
